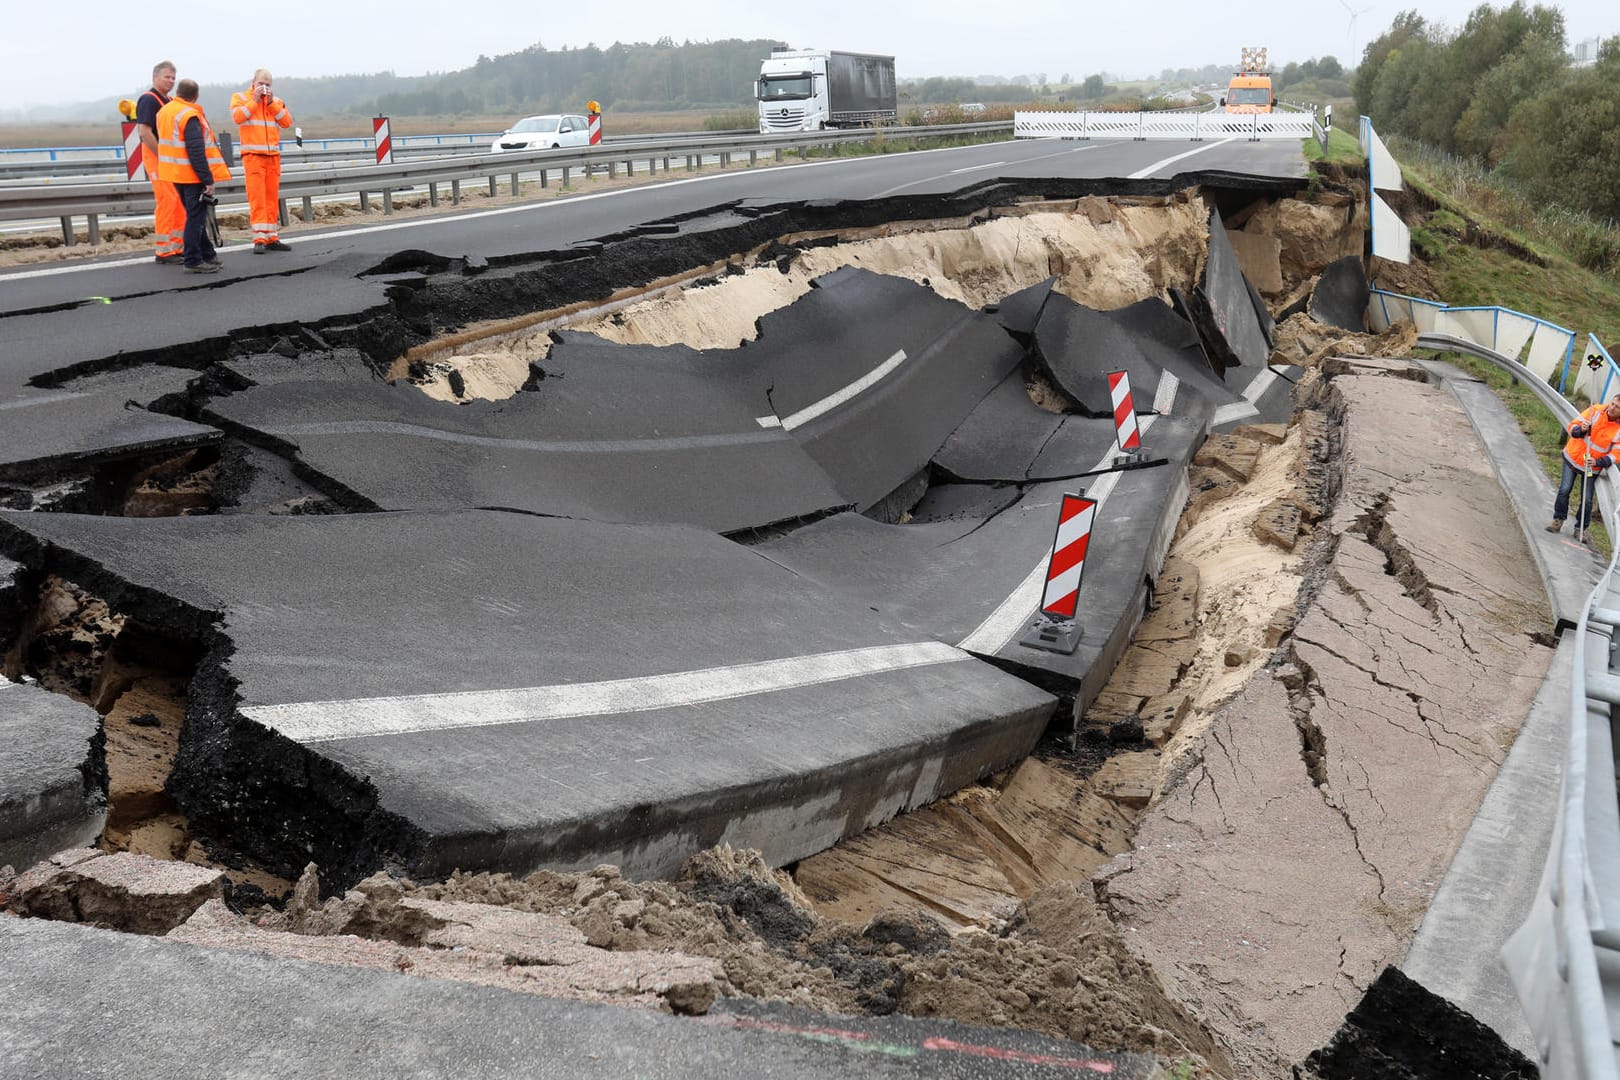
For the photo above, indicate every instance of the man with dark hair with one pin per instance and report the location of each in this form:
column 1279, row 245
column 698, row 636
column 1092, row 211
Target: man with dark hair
column 170, row 217
column 189, row 158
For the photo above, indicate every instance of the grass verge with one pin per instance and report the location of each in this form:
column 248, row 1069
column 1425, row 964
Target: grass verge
column 1342, row 149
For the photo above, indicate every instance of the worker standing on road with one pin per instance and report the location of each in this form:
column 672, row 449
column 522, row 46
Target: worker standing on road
column 170, row 217
column 260, row 116
column 189, row 158
column 1594, row 442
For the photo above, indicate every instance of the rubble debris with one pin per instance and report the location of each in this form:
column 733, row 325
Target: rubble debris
column 122, row 891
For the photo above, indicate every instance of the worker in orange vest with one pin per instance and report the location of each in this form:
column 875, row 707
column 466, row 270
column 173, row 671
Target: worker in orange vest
column 170, row 217
column 260, row 116
column 189, row 158
column 1594, row 443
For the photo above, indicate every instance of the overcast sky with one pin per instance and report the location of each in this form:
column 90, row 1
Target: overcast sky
column 65, row 52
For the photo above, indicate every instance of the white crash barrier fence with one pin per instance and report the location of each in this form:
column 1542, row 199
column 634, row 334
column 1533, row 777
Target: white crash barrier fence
column 1391, row 239
column 1565, row 959
column 1196, row 127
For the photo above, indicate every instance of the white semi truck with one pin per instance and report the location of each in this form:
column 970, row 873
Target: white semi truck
column 808, row 90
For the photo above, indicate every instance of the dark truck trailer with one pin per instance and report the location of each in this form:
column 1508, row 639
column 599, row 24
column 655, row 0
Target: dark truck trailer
column 860, row 89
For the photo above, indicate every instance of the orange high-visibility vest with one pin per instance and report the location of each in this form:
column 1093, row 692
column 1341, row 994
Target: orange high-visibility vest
column 258, row 122
column 174, row 164
column 1603, row 437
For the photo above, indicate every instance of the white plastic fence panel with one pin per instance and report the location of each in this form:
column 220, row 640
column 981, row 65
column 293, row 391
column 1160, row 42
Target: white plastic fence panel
column 1386, row 174
column 1424, row 315
column 1284, row 125
column 1470, row 324
column 1169, row 125
column 1228, row 126
column 1112, row 125
column 1048, row 125
column 1513, row 333
column 1548, row 349
column 1392, row 240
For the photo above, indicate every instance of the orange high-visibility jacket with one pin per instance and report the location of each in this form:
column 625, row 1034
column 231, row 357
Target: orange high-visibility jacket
column 258, row 122
column 174, row 164
column 1603, row 437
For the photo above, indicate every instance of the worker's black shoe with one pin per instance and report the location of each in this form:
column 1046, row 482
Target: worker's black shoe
column 203, row 268
column 212, row 261
column 258, row 247
column 169, row 260
column 276, row 245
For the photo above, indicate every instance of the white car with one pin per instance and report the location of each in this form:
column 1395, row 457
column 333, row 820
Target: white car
column 543, row 133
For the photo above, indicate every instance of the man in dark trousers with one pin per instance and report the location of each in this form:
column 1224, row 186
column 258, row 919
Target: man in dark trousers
column 189, row 158
column 170, row 218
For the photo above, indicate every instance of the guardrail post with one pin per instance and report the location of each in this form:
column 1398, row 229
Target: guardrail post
column 281, row 213
column 94, row 221
column 433, row 193
column 388, row 201
column 309, row 209
column 725, row 161
column 629, row 167
column 613, row 170
column 365, row 203
column 514, row 184
column 753, row 158
column 779, row 154
column 544, row 180
column 455, row 192
column 494, row 186
column 67, row 226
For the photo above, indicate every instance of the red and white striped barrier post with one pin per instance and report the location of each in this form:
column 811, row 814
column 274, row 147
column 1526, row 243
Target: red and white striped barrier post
column 134, row 152
column 595, row 111
column 385, row 144
column 1126, row 432
column 1054, row 629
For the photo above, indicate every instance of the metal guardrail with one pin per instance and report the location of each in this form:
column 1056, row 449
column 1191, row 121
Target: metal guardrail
column 313, row 150
column 1565, row 958
column 96, row 200
column 1195, row 127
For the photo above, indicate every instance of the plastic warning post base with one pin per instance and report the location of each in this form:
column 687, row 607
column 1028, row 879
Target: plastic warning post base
column 1126, row 459
column 1052, row 635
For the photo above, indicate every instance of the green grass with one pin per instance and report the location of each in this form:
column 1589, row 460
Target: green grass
column 1342, row 149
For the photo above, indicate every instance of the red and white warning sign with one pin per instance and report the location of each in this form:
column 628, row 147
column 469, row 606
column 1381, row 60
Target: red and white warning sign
column 385, row 143
column 134, row 152
column 1062, row 596
column 1125, row 429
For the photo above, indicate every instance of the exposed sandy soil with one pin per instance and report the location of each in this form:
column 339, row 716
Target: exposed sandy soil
column 1106, row 253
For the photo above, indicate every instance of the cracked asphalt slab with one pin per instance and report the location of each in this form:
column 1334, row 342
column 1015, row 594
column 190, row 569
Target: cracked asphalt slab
column 1297, row 857
column 582, row 714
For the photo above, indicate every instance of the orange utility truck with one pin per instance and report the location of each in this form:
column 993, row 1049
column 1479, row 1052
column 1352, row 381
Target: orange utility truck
column 1250, row 90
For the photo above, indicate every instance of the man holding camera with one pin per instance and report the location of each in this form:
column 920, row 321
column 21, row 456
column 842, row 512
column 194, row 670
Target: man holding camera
column 260, row 116
column 189, row 158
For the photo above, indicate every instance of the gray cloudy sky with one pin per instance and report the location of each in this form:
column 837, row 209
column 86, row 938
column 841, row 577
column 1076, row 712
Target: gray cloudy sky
column 79, row 52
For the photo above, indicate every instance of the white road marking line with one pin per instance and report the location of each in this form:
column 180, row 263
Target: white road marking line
column 992, row 635
column 1252, row 393
column 454, row 215
column 1142, row 174
column 1164, row 400
column 1021, row 161
column 976, row 168
column 833, row 400
column 327, row 721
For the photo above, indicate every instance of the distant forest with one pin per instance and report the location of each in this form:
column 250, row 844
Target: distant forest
column 662, row 75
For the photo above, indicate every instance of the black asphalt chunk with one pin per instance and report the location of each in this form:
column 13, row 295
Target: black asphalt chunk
column 1341, row 294
column 49, row 433
column 976, row 583
column 53, row 790
column 1001, row 438
column 970, row 503
column 1020, row 312
column 1268, row 325
column 339, row 365
column 1223, row 309
column 872, row 374
column 1401, row 1031
column 1079, row 346
column 611, row 433
column 502, row 691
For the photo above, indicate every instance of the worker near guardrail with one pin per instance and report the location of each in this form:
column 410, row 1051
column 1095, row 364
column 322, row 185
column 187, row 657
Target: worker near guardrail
column 189, row 158
column 169, row 219
column 1594, row 443
column 260, row 116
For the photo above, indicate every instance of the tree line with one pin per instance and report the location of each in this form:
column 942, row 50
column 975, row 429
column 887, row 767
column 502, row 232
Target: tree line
column 1501, row 90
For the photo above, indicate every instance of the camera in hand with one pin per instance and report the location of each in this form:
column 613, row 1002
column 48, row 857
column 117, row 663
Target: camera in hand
column 207, row 199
